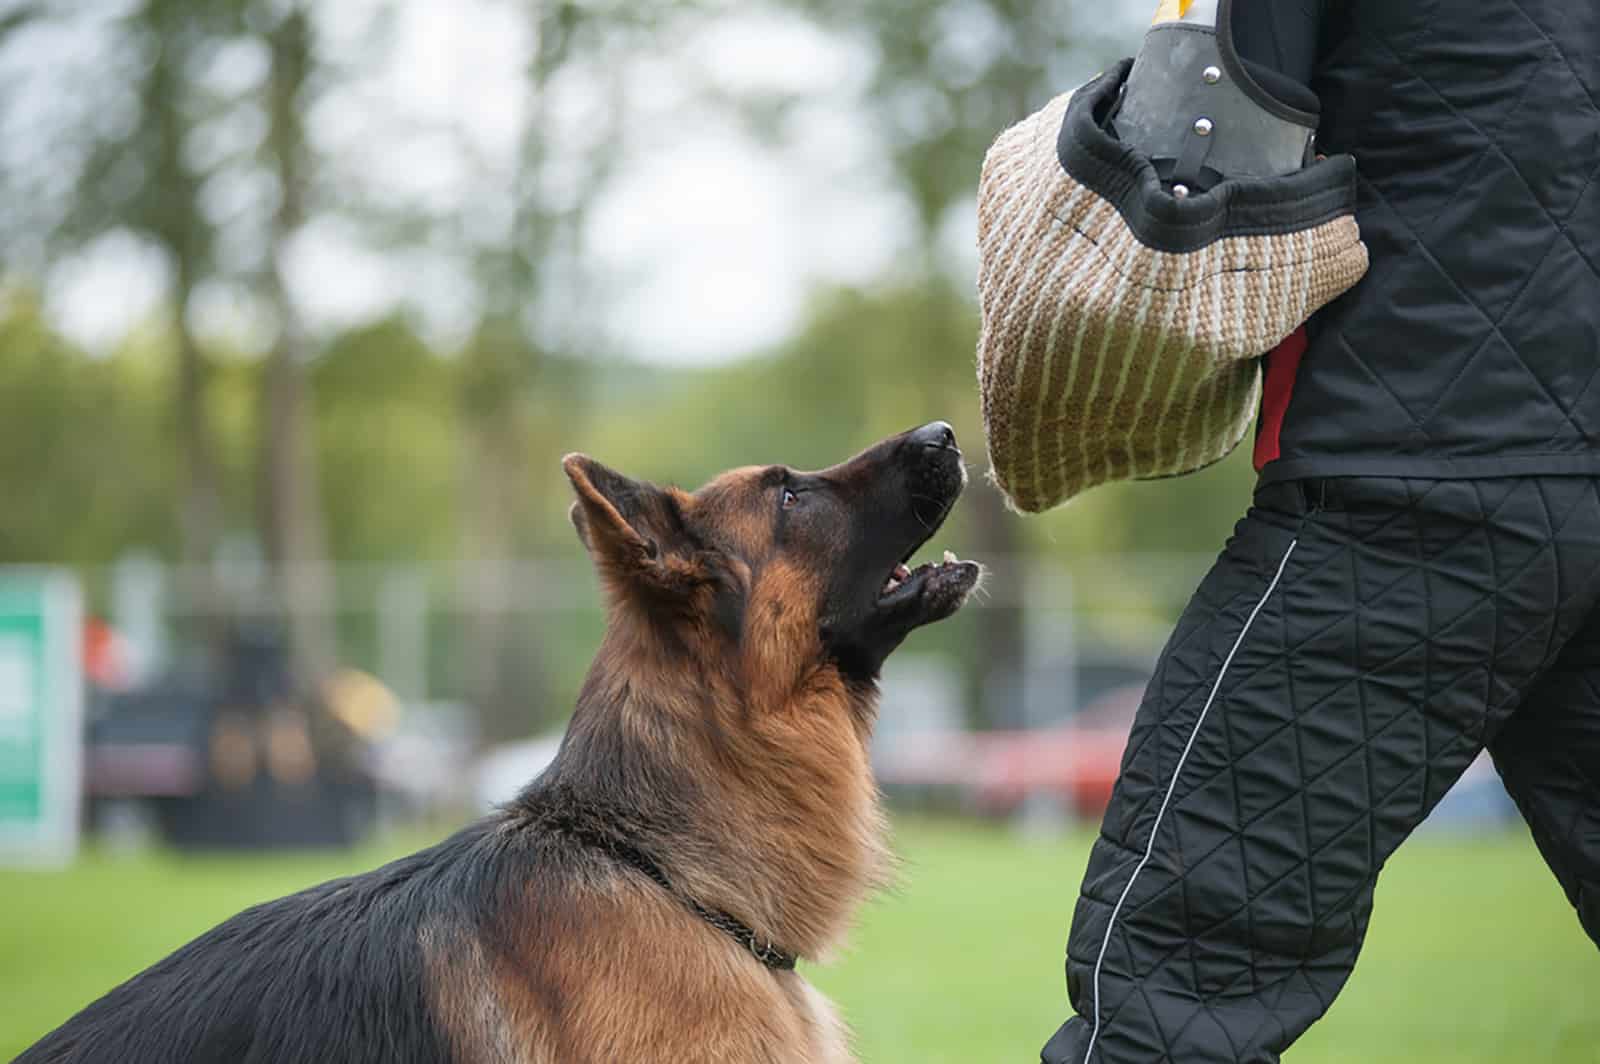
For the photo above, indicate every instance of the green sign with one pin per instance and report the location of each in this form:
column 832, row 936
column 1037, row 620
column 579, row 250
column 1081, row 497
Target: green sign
column 41, row 712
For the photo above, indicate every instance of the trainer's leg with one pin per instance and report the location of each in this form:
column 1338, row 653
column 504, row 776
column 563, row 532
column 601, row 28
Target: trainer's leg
column 1332, row 677
column 1548, row 755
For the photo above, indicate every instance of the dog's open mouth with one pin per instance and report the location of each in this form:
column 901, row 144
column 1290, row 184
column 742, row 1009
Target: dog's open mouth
column 909, row 597
column 952, row 573
column 930, row 592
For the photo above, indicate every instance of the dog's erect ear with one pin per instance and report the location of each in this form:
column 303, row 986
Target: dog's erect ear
column 641, row 540
column 637, row 535
column 614, row 515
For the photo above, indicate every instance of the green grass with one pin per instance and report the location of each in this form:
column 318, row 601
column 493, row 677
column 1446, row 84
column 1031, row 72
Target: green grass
column 1474, row 955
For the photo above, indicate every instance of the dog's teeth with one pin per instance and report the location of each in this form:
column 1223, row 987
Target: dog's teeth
column 950, row 558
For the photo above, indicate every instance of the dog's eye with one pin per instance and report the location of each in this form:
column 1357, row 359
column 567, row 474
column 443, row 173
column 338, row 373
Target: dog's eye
column 789, row 499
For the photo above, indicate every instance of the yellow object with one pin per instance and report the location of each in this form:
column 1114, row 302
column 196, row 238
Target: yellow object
column 362, row 702
column 1171, row 10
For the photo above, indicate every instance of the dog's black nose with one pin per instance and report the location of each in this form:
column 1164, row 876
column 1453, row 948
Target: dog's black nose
column 935, row 434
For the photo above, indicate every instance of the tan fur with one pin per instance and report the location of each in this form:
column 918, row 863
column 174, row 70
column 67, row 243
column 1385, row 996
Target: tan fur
column 463, row 989
column 651, row 982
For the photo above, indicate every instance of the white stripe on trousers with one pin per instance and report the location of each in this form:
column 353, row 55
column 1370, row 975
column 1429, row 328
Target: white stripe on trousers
column 1173, row 786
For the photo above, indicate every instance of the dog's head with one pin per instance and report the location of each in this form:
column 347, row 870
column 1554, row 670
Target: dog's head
column 780, row 570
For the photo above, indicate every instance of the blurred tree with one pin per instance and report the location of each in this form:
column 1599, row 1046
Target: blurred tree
column 527, row 370
column 291, row 520
column 127, row 157
column 951, row 74
column 90, row 422
column 521, row 391
column 387, row 444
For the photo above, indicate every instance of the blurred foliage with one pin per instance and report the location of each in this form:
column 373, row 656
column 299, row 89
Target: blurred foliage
column 98, row 426
column 951, row 74
column 386, row 430
column 421, row 447
column 389, row 413
column 866, row 363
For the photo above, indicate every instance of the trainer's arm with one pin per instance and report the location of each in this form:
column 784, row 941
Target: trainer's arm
column 1279, row 35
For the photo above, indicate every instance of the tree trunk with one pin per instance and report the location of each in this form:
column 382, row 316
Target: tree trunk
column 291, row 519
column 505, row 678
column 180, row 229
column 486, row 541
column 200, row 521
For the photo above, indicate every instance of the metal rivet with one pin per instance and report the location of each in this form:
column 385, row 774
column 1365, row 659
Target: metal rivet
column 1203, row 126
column 1180, row 191
column 1211, row 75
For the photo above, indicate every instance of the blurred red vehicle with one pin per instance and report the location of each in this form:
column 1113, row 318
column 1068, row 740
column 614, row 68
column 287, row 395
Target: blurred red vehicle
column 1075, row 763
column 1071, row 763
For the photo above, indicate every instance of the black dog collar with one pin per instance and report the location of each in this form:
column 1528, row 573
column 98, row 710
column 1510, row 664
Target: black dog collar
column 760, row 948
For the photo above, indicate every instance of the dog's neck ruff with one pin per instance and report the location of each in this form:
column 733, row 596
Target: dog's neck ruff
column 757, row 946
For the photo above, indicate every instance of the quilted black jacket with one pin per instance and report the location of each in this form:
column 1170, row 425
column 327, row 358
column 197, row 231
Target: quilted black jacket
column 1472, row 347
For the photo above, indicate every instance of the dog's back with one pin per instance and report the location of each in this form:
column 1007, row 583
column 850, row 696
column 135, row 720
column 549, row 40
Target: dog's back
column 333, row 973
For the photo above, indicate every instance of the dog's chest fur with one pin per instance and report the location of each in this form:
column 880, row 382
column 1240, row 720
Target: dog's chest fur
column 645, row 980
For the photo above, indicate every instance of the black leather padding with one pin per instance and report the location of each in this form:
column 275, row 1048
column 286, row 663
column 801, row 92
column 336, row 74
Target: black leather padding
column 1244, row 207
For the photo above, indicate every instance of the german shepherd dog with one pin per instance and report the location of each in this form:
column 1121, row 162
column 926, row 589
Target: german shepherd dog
column 710, row 817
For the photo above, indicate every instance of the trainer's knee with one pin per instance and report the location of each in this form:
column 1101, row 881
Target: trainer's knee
column 1067, row 1045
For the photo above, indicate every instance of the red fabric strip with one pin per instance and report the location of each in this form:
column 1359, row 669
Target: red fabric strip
column 1282, row 363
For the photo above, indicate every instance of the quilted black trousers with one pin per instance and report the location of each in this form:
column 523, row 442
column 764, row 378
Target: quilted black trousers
column 1355, row 647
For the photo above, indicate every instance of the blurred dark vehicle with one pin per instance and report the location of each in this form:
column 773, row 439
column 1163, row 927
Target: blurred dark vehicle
column 235, row 761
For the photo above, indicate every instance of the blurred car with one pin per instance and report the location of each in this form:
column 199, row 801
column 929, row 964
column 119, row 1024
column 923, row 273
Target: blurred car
column 998, row 772
column 1070, row 756
column 1074, row 764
